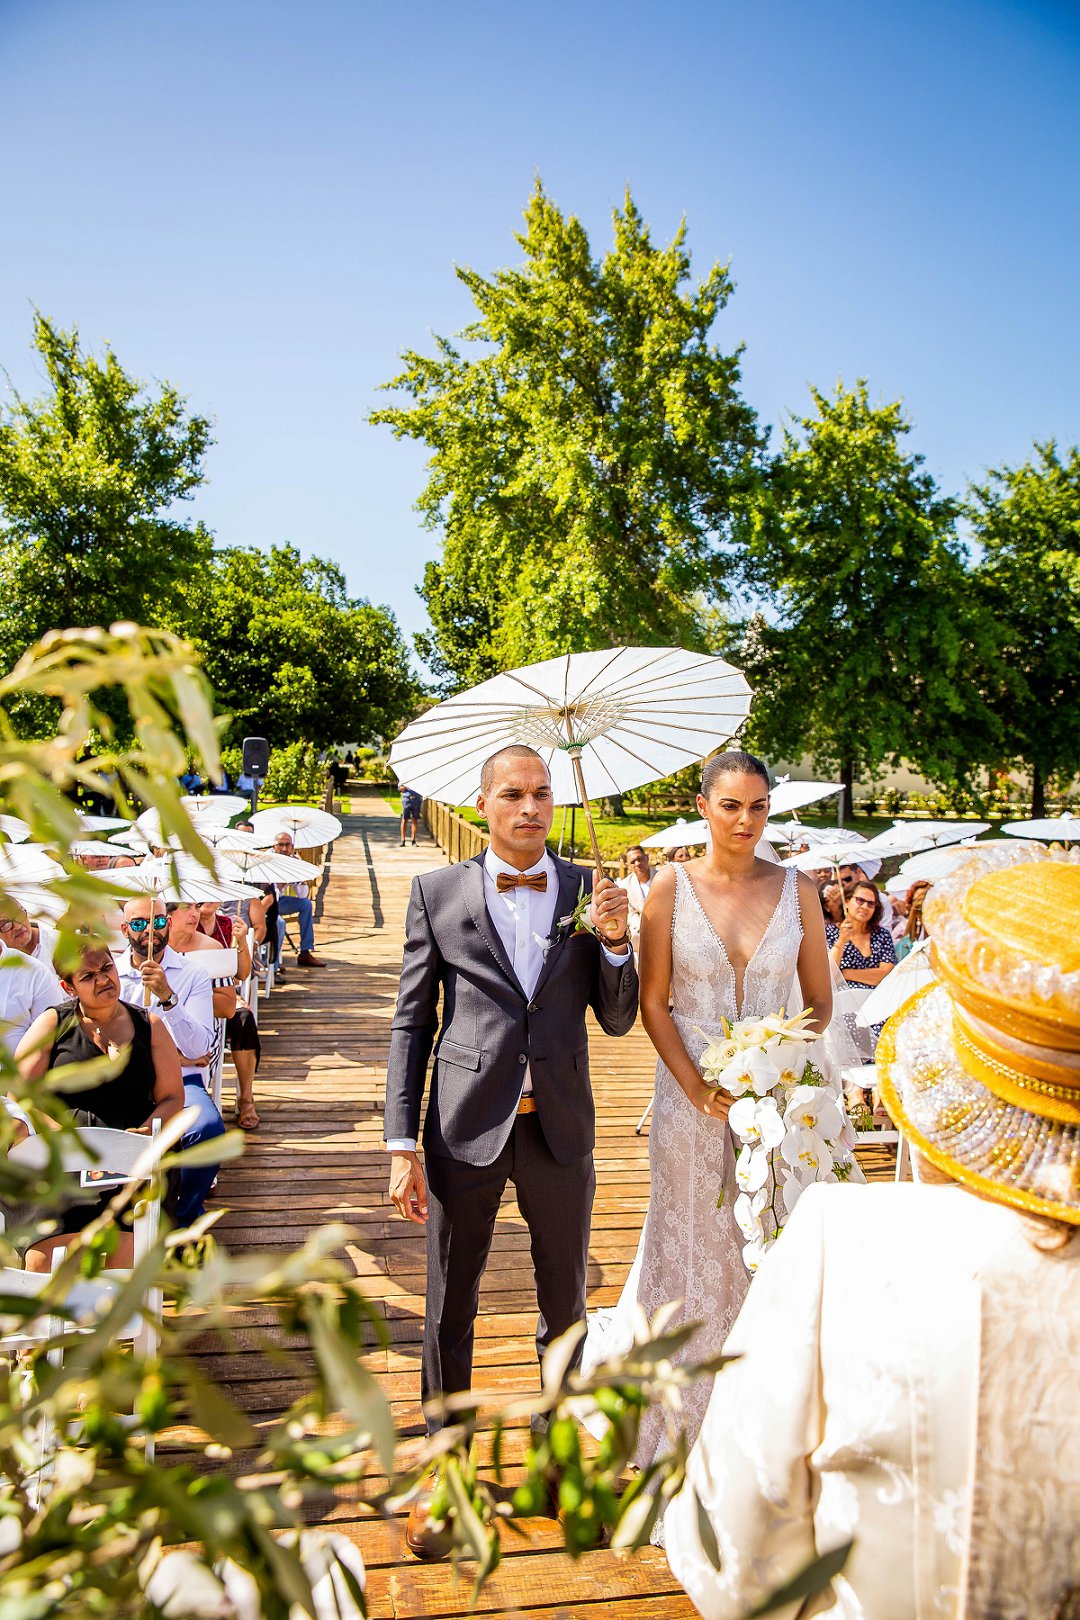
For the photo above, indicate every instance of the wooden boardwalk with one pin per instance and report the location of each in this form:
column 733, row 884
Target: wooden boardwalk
column 318, row 1157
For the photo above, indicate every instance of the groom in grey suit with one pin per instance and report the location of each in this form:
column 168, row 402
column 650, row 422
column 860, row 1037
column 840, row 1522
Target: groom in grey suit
column 510, row 1097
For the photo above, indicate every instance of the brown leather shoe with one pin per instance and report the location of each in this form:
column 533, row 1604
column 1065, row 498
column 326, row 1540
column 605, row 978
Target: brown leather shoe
column 425, row 1537
column 309, row 959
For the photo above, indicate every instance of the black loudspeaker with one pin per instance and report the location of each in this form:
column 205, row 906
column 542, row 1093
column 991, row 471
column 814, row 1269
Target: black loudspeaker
column 256, row 757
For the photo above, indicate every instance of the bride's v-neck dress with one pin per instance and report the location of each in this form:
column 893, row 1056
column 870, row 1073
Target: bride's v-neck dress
column 691, row 1249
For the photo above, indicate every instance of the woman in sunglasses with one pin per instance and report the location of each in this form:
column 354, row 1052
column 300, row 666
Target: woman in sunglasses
column 861, row 948
column 95, row 1023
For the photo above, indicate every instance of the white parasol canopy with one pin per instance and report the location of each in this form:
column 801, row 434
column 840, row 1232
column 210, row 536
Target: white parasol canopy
column 95, row 824
column 897, row 988
column 679, row 833
column 1063, row 829
column 27, row 864
column 213, row 807
column 934, row 864
column 307, row 827
column 179, row 879
column 908, row 837
column 790, row 833
column 263, row 866
column 631, row 714
column 14, row 829
column 787, row 795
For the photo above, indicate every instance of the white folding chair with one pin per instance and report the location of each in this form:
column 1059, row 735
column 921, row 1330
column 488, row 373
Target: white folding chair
column 123, row 1154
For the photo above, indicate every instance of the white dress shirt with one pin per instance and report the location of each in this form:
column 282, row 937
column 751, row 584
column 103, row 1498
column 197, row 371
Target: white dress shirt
column 27, row 988
column 46, row 945
column 191, row 1021
column 524, row 920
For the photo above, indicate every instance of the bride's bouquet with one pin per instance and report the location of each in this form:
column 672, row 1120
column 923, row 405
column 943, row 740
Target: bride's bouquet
column 789, row 1120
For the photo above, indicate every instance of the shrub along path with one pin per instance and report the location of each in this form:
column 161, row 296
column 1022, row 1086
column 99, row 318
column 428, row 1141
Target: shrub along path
column 318, row 1157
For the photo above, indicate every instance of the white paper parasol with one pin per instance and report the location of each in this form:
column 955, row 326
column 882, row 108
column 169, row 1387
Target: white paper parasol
column 182, row 879
column 790, row 833
column 909, row 837
column 787, row 795
column 679, row 833
column 14, row 829
column 1063, row 829
column 263, row 866
column 95, row 824
column 27, row 864
column 213, row 807
column 897, row 988
column 934, row 864
column 603, row 722
column 307, row 827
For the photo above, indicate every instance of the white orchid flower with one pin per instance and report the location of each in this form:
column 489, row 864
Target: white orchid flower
column 808, row 1153
column 813, row 1108
column 747, row 1214
column 753, row 1070
column 757, row 1121
column 753, row 1254
column 793, row 1065
column 751, row 1169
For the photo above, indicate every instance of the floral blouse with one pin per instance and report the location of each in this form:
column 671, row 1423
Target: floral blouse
column 882, row 950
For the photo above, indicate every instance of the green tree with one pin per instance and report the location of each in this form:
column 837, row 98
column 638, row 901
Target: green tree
column 1027, row 521
column 290, row 655
column 589, row 450
column 871, row 657
column 89, row 474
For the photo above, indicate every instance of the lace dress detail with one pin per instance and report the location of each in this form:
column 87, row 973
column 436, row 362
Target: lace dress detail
column 690, row 1249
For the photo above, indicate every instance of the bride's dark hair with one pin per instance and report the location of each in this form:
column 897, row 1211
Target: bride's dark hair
column 734, row 762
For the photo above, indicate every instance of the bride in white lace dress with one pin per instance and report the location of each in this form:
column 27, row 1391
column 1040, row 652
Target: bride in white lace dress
column 721, row 937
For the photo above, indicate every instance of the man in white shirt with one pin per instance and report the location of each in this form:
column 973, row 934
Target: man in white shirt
column 182, row 996
column 509, row 1098
column 637, row 883
column 27, row 988
column 36, row 939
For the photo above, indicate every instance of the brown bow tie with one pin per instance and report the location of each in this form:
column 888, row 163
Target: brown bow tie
column 521, row 880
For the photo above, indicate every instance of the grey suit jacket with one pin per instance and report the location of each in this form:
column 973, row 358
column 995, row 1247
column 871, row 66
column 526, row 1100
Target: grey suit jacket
column 491, row 1028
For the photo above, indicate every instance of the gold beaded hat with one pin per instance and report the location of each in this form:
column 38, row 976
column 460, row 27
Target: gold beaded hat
column 981, row 1071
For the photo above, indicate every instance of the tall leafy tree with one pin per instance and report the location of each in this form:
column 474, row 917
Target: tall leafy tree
column 90, row 474
column 870, row 657
column 1027, row 521
column 291, row 655
column 589, row 450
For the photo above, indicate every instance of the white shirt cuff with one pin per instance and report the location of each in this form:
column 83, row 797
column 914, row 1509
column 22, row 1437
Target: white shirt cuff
column 404, row 1145
column 617, row 961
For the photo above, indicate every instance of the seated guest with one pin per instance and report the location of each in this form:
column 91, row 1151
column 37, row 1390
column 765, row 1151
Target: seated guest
column 860, row 947
column 637, row 883
column 94, row 1022
column 36, row 939
column 241, row 1028
column 182, row 996
column 93, row 856
column 293, row 899
column 680, row 854
column 914, row 927
column 27, row 989
column 945, row 1447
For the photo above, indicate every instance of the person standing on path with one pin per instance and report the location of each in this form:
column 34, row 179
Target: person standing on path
column 510, row 1098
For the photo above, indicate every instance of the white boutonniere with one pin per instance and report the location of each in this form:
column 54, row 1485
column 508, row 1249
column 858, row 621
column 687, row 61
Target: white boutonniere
column 577, row 921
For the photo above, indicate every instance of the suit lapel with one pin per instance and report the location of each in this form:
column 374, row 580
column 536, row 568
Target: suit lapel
column 472, row 885
column 569, row 878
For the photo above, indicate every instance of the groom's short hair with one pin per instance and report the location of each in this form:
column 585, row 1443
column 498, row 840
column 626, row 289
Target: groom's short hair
column 511, row 751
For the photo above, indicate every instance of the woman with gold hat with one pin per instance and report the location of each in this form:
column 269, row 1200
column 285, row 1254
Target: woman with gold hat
column 909, row 1353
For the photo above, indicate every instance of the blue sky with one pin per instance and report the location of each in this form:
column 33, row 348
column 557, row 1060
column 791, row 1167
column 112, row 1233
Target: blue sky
column 264, row 202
